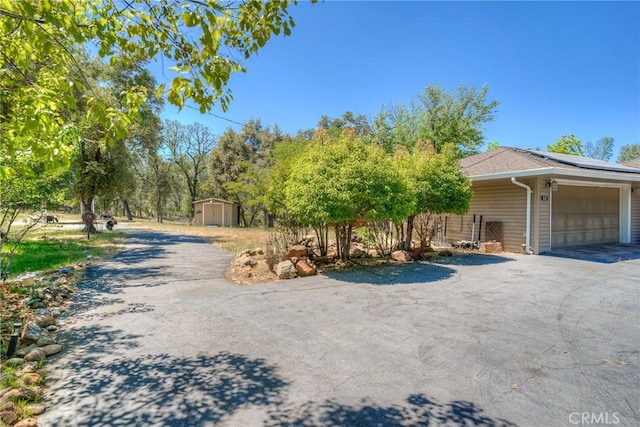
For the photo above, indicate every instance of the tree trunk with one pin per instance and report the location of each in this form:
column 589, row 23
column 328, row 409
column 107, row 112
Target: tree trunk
column 409, row 237
column 127, row 211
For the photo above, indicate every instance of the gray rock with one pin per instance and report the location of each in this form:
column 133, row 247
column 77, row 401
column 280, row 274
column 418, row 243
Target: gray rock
column 31, row 333
column 44, row 320
column 56, row 312
column 247, row 260
column 30, row 367
column 25, row 350
column 286, row 270
column 46, row 340
column 37, row 408
column 52, row 328
column 42, row 312
column 52, row 349
column 35, row 355
column 14, row 361
column 357, row 252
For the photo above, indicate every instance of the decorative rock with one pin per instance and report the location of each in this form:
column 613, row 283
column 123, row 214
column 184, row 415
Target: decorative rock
column 56, row 312
column 401, row 256
column 52, row 349
column 9, row 413
column 30, row 367
column 246, row 261
column 35, row 355
column 304, row 269
column 31, row 378
column 31, row 333
column 27, row 422
column 52, row 328
column 285, row 270
column 42, row 312
column 15, row 361
column 64, row 270
column 44, row 320
column 36, row 303
column 357, row 252
column 46, row 340
column 256, row 252
column 296, row 251
column 37, row 408
column 23, row 394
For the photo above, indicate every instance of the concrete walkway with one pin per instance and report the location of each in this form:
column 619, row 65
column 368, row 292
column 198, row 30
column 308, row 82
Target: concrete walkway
column 158, row 337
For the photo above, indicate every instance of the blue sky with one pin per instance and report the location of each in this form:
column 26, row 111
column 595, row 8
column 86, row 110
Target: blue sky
column 555, row 67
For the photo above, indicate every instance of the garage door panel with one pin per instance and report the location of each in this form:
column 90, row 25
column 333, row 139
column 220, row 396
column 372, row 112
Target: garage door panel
column 585, row 216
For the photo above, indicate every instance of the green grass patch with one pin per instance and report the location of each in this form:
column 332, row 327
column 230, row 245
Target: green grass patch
column 52, row 249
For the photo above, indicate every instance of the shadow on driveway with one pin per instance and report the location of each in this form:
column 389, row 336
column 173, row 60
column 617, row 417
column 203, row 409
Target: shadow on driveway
column 108, row 385
column 607, row 254
column 393, row 274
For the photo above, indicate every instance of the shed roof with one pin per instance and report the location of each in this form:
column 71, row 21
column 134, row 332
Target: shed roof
column 509, row 161
column 216, row 200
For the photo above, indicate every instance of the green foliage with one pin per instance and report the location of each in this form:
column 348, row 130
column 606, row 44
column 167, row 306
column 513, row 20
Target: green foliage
column 40, row 43
column 567, row 144
column 44, row 254
column 601, row 150
column 438, row 117
column 493, row 145
column 629, row 152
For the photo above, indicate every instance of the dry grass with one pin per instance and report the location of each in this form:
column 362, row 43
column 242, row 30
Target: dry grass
column 231, row 239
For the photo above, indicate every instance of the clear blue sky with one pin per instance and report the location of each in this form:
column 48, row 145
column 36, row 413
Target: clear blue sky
column 555, row 67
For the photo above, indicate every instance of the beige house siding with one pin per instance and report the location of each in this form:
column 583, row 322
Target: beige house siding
column 635, row 216
column 501, row 201
column 215, row 212
column 542, row 207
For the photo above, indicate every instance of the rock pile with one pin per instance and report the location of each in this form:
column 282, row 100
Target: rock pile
column 22, row 376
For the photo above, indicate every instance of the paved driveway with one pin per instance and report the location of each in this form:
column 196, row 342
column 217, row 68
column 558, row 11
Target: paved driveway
column 159, row 337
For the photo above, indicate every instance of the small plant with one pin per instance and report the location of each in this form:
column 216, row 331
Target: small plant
column 9, row 378
column 24, row 411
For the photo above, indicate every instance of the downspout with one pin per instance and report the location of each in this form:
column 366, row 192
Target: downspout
column 527, row 231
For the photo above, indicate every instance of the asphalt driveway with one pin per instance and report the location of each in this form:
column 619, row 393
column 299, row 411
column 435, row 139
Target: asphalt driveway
column 158, row 337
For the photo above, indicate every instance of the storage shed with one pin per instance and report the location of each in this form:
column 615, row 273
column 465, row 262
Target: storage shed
column 216, row 212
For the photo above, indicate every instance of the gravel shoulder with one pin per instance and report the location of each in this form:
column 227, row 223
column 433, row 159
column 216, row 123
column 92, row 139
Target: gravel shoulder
column 158, row 336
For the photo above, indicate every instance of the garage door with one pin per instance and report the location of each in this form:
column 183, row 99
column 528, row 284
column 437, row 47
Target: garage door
column 585, row 216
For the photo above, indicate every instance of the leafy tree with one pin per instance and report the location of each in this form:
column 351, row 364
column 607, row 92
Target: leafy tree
column 190, row 146
column 39, row 43
column 601, row 150
column 567, row 144
column 493, row 145
column 334, row 127
column 436, row 182
column 629, row 152
column 341, row 181
column 439, row 117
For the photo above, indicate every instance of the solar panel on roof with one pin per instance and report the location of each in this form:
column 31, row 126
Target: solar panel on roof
column 584, row 162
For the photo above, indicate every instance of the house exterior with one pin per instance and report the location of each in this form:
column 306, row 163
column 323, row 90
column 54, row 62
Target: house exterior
column 214, row 211
column 535, row 201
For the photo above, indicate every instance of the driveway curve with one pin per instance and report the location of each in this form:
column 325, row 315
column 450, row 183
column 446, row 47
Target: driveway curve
column 157, row 336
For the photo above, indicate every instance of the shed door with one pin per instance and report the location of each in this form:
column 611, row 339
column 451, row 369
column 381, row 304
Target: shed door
column 585, row 216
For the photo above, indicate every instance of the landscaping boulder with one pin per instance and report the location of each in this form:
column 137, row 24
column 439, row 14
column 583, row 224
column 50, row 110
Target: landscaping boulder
column 401, row 256
column 9, row 413
column 304, row 269
column 52, row 349
column 35, row 355
column 31, row 333
column 44, row 320
column 286, row 270
column 298, row 251
column 357, row 252
column 246, row 260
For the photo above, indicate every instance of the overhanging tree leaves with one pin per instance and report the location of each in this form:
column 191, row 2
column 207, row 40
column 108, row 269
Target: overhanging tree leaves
column 203, row 41
column 567, row 144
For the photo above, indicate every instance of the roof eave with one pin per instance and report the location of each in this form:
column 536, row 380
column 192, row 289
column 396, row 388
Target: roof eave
column 582, row 173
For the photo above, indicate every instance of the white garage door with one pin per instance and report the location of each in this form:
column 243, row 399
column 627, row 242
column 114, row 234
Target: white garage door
column 585, row 216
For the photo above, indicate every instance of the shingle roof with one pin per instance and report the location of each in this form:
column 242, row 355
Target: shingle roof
column 633, row 163
column 509, row 159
